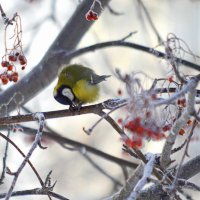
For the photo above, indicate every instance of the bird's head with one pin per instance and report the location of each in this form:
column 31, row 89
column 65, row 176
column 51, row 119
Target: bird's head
column 64, row 95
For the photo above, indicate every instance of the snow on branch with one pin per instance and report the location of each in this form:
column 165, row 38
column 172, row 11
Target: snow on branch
column 146, row 174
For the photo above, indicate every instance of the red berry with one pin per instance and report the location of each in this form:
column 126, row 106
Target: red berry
column 148, row 114
column 183, row 102
column 22, row 62
column 9, row 77
column 170, row 79
column 4, row 79
column 153, row 97
column 21, row 57
column 139, row 143
column 131, row 126
column 91, row 15
column 119, row 120
column 4, row 63
column 181, row 131
column 167, row 127
column 119, row 92
column 88, row 17
column 189, row 122
column 14, row 77
column 140, row 130
column 178, row 101
column 10, row 67
column 12, row 58
column 137, row 121
column 130, row 143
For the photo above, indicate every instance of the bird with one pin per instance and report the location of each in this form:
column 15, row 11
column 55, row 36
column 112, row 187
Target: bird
column 77, row 85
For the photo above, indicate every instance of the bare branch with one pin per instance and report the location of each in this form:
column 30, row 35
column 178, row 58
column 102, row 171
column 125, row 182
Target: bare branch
column 150, row 21
column 96, row 166
column 36, row 191
column 5, row 158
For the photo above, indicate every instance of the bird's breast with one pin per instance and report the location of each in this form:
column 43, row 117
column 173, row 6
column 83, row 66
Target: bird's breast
column 86, row 92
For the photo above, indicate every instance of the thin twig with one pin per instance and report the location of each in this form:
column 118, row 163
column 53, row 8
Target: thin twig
column 40, row 117
column 95, row 165
column 5, row 158
column 150, row 21
column 36, row 191
column 175, row 150
column 114, row 12
column 19, row 150
column 184, row 154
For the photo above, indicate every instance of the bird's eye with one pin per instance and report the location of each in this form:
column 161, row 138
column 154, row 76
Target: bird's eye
column 68, row 93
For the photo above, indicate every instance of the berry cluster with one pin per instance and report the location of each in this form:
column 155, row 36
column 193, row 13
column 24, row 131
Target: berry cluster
column 142, row 129
column 91, row 15
column 10, row 74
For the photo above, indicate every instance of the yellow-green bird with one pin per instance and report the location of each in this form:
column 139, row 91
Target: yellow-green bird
column 77, row 85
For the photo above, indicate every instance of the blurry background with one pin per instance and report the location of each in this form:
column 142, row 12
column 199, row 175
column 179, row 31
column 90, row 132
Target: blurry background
column 76, row 177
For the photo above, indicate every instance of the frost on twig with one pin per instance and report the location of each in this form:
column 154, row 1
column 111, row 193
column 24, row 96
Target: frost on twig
column 41, row 119
column 114, row 103
column 36, row 142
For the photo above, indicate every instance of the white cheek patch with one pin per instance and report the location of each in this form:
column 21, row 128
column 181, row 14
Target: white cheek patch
column 68, row 93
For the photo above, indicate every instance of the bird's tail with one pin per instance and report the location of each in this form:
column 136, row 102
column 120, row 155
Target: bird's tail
column 97, row 79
